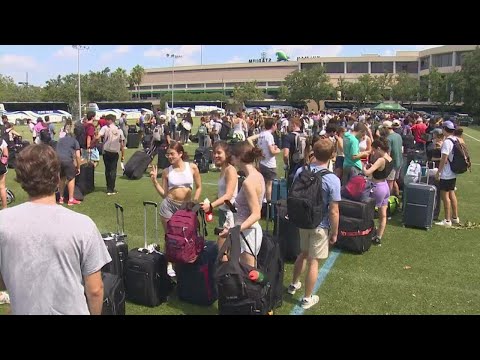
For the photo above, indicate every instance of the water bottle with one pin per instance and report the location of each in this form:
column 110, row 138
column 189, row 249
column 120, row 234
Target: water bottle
column 209, row 213
column 256, row 276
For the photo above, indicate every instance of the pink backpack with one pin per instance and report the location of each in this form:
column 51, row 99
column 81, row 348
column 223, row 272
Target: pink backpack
column 357, row 189
column 183, row 240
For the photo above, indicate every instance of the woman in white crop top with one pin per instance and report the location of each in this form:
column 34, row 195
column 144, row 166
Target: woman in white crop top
column 227, row 184
column 177, row 182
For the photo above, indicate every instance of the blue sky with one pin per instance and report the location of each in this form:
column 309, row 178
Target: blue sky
column 44, row 62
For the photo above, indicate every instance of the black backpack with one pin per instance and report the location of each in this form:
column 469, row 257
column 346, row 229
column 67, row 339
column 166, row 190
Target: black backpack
column 224, row 131
column 461, row 159
column 237, row 294
column 305, row 199
column 80, row 134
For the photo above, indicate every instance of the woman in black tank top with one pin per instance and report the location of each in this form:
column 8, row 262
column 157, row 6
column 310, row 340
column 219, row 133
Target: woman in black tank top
column 381, row 192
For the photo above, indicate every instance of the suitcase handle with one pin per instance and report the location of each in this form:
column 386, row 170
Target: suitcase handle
column 120, row 207
column 145, row 203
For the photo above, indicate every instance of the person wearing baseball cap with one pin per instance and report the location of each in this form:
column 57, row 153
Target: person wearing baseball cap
column 447, row 178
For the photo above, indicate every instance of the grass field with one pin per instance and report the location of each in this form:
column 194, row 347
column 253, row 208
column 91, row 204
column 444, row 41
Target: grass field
column 413, row 272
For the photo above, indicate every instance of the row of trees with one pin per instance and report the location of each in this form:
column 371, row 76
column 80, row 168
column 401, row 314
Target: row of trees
column 103, row 85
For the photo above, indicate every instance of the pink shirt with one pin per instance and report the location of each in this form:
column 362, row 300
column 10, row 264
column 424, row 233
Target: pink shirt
column 39, row 126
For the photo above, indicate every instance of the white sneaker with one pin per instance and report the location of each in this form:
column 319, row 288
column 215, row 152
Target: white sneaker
column 170, row 271
column 455, row 220
column 292, row 288
column 444, row 222
column 307, row 303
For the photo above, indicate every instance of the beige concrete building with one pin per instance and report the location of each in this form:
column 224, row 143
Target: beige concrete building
column 271, row 75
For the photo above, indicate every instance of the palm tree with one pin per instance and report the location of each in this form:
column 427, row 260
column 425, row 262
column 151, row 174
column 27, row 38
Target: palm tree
column 136, row 77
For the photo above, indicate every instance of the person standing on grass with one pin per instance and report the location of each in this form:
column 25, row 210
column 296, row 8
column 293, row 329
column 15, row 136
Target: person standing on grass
column 248, row 201
column 352, row 164
column 447, row 178
column 177, row 185
column 314, row 242
column 379, row 171
column 61, row 252
column 114, row 142
column 227, row 184
column 68, row 152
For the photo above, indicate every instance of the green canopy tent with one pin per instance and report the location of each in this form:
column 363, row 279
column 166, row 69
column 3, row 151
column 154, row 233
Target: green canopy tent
column 389, row 107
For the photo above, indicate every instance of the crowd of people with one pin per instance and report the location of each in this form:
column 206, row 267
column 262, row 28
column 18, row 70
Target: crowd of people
column 346, row 144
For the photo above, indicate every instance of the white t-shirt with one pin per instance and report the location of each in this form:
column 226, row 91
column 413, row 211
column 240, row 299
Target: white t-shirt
column 264, row 141
column 447, row 149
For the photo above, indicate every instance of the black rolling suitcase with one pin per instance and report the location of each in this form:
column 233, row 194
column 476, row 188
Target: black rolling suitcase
column 77, row 194
column 133, row 140
column 146, row 279
column 357, row 209
column 113, row 295
column 86, row 179
column 355, row 235
column 137, row 164
column 202, row 159
column 288, row 234
column 270, row 262
column 196, row 282
column 117, row 247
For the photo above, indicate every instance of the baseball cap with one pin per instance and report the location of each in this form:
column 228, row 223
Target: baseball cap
column 396, row 122
column 163, row 117
column 449, row 125
column 387, row 124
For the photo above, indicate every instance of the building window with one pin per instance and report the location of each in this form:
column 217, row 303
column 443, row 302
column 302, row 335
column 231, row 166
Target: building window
column 334, row 67
column 160, row 86
column 357, row 67
column 145, row 87
column 425, row 63
column 442, row 60
column 382, row 67
column 410, row 67
column 261, row 83
column 461, row 57
column 215, row 85
column 195, row 86
column 308, row 66
column 274, row 83
column 179, row 86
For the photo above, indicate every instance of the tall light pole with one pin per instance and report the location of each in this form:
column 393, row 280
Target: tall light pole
column 24, row 82
column 78, row 48
column 173, row 57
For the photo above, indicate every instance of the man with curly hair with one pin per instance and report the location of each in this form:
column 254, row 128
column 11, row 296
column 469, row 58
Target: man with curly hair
column 52, row 266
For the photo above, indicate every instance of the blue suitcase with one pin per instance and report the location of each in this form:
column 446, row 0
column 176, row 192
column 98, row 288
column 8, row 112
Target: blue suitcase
column 279, row 192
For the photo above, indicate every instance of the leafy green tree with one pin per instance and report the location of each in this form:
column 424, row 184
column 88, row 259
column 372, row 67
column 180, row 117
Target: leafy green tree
column 470, row 79
column 442, row 87
column 366, row 89
column 283, row 92
column 344, row 88
column 385, row 84
column 406, row 88
column 136, row 75
column 247, row 91
column 311, row 84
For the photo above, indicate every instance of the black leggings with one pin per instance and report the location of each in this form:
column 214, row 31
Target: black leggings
column 111, row 160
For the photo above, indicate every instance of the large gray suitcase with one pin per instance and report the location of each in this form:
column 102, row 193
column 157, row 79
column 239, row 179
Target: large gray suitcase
column 419, row 203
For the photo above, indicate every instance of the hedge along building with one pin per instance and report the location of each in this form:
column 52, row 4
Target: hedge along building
column 270, row 75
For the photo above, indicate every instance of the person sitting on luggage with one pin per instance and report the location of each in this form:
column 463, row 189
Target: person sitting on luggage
column 227, row 185
column 248, row 202
column 62, row 252
column 3, row 172
column 379, row 171
column 177, row 182
column 314, row 242
column 68, row 152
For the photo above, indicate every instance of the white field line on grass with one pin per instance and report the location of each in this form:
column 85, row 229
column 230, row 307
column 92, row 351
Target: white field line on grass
column 470, row 136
